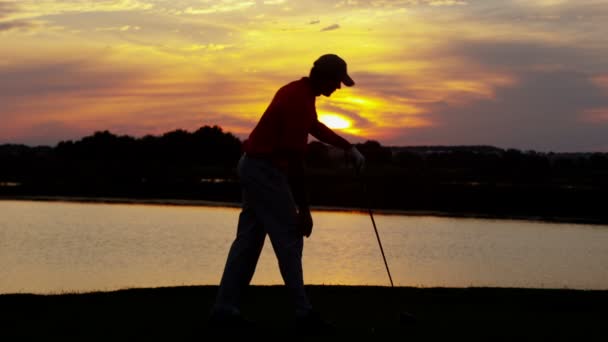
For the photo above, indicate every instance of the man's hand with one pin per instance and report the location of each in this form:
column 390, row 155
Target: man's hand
column 305, row 222
column 358, row 159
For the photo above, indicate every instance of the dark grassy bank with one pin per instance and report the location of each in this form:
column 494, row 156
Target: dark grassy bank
column 359, row 312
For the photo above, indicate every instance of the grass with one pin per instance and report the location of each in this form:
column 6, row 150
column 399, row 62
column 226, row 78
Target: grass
column 358, row 312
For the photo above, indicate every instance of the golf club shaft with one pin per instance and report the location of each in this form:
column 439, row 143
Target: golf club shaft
column 371, row 215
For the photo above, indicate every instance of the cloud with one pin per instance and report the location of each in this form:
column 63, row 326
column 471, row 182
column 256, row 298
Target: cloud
column 46, row 133
column 521, row 54
column 384, row 83
column 447, row 3
column 221, row 7
column 61, row 78
column 72, row 92
column 544, row 110
column 331, row 27
column 562, row 15
column 92, row 95
column 313, row 22
column 524, row 94
column 17, row 24
column 6, row 8
column 500, row 63
column 123, row 28
column 28, row 9
column 396, row 4
column 274, row 2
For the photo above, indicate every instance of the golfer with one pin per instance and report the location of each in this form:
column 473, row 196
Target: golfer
column 274, row 198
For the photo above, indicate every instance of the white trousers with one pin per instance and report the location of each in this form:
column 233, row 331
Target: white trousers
column 268, row 208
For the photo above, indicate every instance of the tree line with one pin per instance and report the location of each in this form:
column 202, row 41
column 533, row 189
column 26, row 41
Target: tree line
column 201, row 165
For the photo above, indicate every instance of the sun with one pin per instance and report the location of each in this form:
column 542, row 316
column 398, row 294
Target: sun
column 335, row 121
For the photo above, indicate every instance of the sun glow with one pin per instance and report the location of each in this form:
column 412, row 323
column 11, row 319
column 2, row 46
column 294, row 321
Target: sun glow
column 335, row 121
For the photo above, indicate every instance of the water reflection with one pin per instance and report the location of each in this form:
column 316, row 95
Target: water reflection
column 54, row 247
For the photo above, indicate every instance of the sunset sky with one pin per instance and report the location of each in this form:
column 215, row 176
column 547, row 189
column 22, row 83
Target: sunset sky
column 526, row 74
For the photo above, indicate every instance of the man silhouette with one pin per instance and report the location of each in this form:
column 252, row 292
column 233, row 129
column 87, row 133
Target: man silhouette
column 274, row 200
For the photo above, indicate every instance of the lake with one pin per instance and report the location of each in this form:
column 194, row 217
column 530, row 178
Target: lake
column 57, row 247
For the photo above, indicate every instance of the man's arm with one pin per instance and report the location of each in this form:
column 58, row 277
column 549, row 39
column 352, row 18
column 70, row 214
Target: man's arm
column 326, row 135
column 297, row 177
column 323, row 133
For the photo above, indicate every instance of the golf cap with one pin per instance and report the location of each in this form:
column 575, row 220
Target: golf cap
column 334, row 66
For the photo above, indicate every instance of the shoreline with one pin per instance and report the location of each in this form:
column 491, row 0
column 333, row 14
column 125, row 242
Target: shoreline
column 119, row 290
column 379, row 211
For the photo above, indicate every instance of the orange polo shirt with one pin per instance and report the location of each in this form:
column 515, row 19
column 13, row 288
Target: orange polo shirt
column 281, row 135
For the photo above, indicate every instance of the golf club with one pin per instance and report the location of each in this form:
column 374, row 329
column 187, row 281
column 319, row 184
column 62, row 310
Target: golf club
column 371, row 215
column 406, row 319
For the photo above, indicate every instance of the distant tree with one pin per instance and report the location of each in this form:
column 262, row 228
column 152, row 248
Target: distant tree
column 177, row 146
column 213, row 146
column 599, row 161
column 409, row 159
column 102, row 145
column 178, row 164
